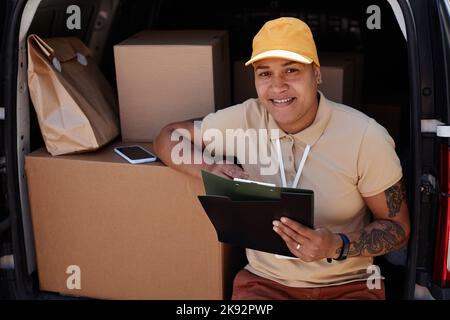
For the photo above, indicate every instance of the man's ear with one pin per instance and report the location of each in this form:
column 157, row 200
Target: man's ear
column 317, row 74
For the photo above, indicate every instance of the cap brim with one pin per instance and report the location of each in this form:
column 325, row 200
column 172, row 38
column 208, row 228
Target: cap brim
column 289, row 55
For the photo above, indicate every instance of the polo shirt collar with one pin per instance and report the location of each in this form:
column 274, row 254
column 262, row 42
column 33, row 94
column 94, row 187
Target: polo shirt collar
column 312, row 133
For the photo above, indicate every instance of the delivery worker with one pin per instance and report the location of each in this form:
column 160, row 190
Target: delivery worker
column 345, row 157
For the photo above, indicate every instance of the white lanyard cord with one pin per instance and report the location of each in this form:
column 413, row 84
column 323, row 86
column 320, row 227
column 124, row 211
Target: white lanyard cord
column 300, row 167
column 302, row 164
column 280, row 161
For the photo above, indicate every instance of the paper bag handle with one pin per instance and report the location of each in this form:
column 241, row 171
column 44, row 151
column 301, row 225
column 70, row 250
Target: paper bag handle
column 46, row 50
column 44, row 47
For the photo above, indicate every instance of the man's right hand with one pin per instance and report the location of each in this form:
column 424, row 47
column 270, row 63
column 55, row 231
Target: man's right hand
column 228, row 171
column 163, row 146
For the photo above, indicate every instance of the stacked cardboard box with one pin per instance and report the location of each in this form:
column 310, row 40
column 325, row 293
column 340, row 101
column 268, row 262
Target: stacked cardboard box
column 342, row 75
column 105, row 228
column 167, row 76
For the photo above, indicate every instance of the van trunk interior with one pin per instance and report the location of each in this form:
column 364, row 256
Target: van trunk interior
column 338, row 28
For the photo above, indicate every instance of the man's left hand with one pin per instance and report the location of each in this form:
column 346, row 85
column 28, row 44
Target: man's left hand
column 306, row 243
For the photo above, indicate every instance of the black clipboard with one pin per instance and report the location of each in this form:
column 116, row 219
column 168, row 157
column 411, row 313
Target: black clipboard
column 242, row 213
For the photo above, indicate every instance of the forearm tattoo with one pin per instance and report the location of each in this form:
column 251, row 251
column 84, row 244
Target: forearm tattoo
column 395, row 196
column 386, row 236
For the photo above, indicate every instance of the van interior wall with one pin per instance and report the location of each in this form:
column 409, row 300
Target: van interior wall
column 337, row 27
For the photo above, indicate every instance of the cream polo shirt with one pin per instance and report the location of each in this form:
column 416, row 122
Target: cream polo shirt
column 351, row 157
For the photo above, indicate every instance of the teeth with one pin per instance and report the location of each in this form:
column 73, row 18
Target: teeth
column 282, row 100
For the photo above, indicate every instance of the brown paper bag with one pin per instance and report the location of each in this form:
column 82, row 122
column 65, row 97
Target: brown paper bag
column 75, row 105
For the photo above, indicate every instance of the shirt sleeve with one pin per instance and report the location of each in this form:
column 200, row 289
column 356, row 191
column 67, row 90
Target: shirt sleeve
column 378, row 165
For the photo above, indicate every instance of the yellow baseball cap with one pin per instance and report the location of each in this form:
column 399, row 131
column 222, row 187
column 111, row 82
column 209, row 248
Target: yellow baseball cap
column 288, row 38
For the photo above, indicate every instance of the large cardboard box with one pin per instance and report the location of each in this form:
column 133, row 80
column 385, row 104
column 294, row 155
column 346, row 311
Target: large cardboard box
column 126, row 231
column 337, row 82
column 342, row 75
column 166, row 76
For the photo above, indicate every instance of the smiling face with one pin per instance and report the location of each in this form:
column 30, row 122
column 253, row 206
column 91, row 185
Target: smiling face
column 288, row 90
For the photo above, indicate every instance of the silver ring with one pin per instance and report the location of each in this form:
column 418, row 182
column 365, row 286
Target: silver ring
column 298, row 246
